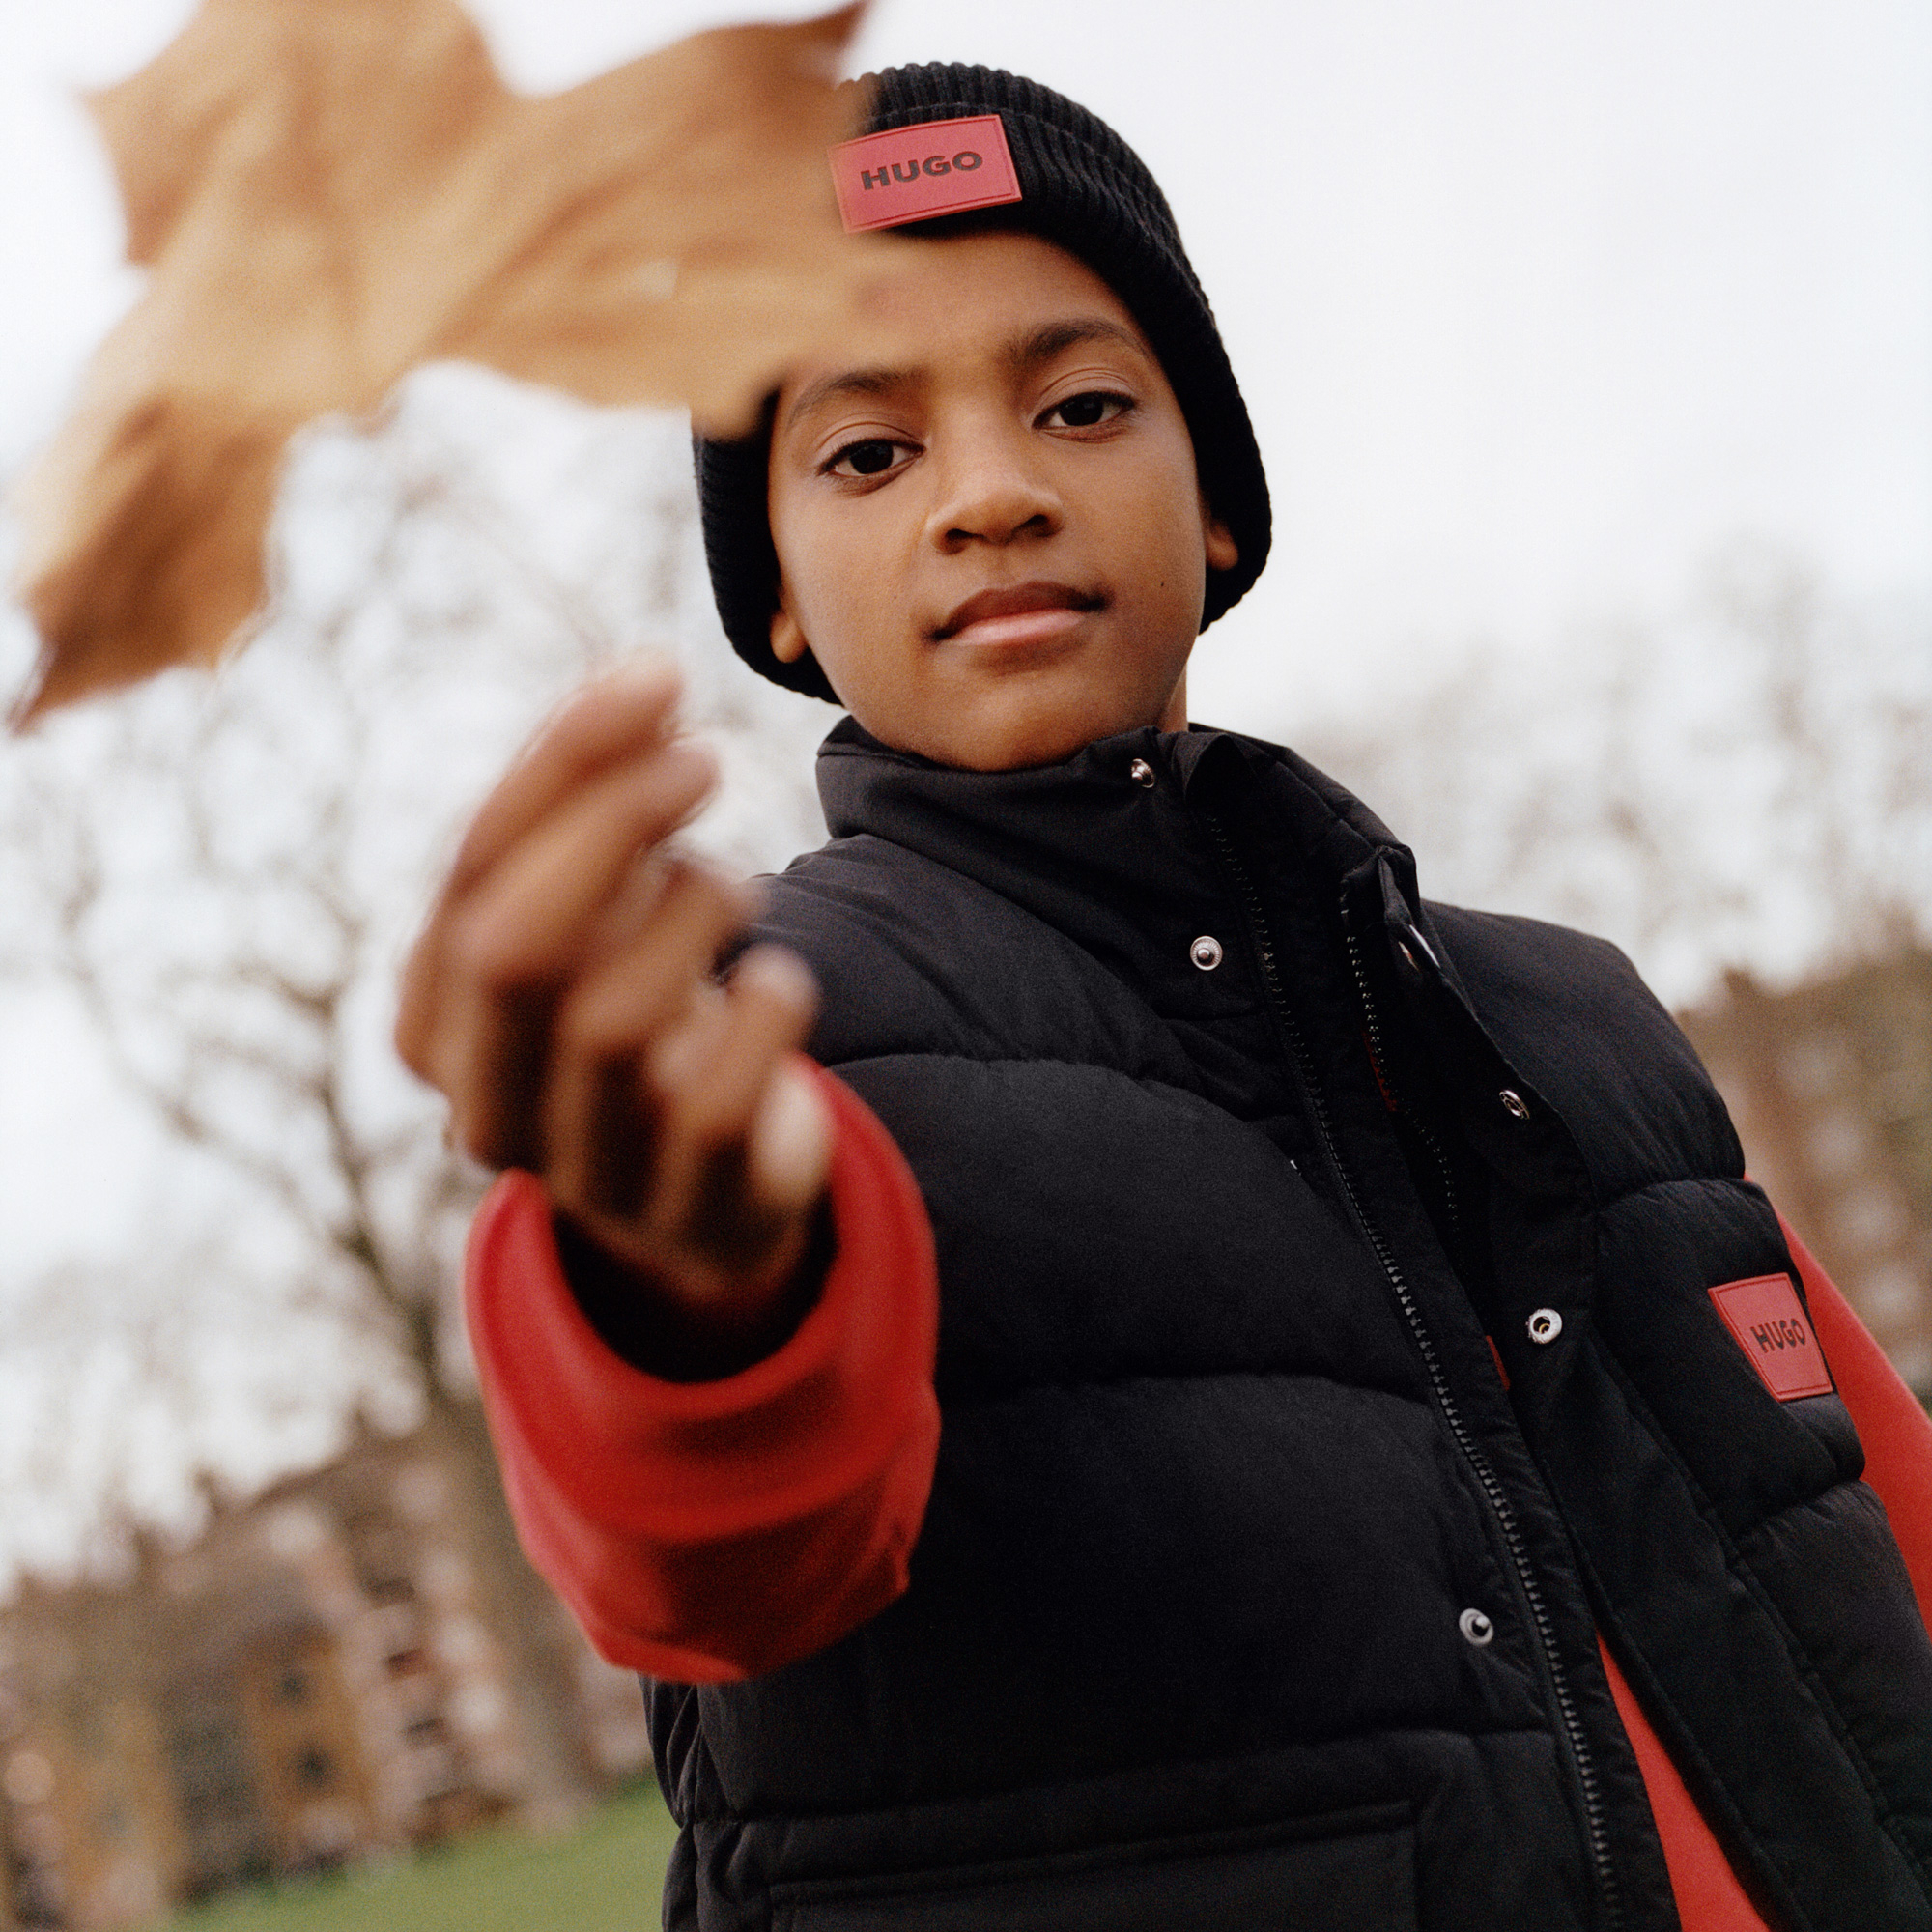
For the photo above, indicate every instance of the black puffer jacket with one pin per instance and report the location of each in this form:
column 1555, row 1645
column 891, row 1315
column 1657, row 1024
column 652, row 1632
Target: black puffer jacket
column 1247, row 1596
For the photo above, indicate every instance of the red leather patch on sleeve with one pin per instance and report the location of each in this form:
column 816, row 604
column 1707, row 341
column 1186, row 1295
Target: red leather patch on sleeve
column 1770, row 1324
column 936, row 167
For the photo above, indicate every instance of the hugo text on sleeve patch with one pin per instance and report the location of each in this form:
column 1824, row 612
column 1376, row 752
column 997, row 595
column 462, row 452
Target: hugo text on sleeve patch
column 936, row 167
column 1771, row 1326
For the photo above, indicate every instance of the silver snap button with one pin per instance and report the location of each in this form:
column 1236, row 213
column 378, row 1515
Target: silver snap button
column 1544, row 1325
column 1514, row 1104
column 1205, row 953
column 1476, row 1628
column 1141, row 772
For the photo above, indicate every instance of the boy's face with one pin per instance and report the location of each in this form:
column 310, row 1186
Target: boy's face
column 997, row 550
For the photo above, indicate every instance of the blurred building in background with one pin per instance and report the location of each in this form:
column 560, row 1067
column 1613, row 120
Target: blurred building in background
column 1831, row 1087
column 340, row 1667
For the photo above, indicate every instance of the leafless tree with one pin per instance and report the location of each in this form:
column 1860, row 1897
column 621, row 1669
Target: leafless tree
column 221, row 877
column 1745, row 779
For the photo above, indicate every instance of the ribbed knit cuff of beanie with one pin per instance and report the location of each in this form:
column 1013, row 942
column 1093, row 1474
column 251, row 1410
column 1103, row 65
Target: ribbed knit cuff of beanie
column 1084, row 189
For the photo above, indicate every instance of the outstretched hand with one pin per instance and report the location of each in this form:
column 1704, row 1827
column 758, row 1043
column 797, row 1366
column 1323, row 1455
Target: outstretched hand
column 562, row 996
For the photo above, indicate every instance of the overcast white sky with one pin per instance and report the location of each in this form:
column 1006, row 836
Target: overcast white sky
column 1536, row 305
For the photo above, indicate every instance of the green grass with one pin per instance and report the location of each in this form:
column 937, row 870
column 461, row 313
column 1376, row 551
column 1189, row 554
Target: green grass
column 606, row 1876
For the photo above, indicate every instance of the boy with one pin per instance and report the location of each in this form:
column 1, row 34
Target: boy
column 1365, row 1497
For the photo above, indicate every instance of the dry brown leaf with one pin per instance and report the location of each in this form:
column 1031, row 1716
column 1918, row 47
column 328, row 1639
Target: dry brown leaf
column 328, row 193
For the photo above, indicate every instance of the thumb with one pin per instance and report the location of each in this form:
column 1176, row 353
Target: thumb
column 788, row 1149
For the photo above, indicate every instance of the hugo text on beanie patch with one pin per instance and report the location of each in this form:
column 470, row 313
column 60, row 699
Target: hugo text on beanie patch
column 1769, row 1322
column 911, row 173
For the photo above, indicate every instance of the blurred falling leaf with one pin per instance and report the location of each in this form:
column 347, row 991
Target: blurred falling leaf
column 327, row 193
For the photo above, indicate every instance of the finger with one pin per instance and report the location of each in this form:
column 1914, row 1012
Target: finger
column 715, row 1085
column 617, row 720
column 608, row 723
column 598, row 1114
column 488, row 971
column 789, row 1149
column 530, row 919
column 496, row 1089
column 714, row 1082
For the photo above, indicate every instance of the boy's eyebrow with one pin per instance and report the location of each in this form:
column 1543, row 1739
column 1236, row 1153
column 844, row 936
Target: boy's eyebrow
column 1027, row 352
column 847, row 382
column 1053, row 338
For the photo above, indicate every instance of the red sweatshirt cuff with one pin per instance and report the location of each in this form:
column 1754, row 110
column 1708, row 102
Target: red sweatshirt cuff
column 711, row 1530
column 1897, row 1437
column 1896, row 1431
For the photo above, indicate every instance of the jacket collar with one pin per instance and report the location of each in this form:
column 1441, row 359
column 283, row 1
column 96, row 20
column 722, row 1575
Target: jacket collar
column 1090, row 821
column 1129, row 869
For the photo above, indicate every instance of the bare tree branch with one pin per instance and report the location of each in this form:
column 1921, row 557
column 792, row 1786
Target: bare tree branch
column 1743, row 779
column 219, row 877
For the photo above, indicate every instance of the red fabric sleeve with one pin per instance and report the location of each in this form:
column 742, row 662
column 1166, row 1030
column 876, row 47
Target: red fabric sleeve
column 1708, row 1897
column 1897, row 1437
column 704, row 1532
column 1896, row 1432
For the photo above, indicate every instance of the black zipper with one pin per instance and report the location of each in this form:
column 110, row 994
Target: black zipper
column 1431, row 1141
column 1289, row 1029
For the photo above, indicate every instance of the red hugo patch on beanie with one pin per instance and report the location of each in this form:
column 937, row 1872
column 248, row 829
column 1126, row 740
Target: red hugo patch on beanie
column 934, row 167
column 1768, row 1319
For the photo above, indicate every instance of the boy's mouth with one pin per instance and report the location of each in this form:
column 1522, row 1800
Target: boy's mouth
column 1020, row 613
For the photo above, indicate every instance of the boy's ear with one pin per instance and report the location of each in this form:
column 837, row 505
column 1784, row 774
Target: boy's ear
column 789, row 641
column 1223, row 553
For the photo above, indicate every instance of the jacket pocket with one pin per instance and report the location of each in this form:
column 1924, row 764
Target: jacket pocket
column 1347, row 1872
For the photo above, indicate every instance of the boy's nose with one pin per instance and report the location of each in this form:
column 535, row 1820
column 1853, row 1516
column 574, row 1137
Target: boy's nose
column 991, row 493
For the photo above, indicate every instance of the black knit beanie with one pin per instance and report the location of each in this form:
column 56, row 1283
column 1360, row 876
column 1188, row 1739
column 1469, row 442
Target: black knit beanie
column 1084, row 189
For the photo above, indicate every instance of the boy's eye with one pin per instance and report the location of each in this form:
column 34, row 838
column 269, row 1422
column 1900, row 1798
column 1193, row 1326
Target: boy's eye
column 1088, row 409
column 871, row 458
